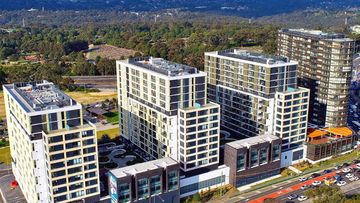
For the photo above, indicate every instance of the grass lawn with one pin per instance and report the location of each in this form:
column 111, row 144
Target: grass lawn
column 5, row 155
column 112, row 133
column 2, row 106
column 112, row 117
column 91, row 97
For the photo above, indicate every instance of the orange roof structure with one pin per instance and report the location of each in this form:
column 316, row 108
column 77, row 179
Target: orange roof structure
column 343, row 131
column 317, row 133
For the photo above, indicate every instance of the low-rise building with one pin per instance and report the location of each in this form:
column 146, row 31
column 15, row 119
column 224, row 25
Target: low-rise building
column 153, row 181
column 253, row 159
column 327, row 142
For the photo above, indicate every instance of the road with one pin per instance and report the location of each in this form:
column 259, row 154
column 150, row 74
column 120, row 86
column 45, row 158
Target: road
column 282, row 194
column 279, row 191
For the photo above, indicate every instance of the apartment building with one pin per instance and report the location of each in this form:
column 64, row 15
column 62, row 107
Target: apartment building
column 325, row 67
column 258, row 95
column 164, row 110
column 253, row 159
column 152, row 181
column 53, row 150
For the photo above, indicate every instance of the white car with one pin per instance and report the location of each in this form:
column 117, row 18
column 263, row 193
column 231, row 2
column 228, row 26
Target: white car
column 354, row 178
column 304, row 187
column 346, row 170
column 316, row 183
column 341, row 183
column 358, row 165
column 302, row 179
column 349, row 175
column 302, row 198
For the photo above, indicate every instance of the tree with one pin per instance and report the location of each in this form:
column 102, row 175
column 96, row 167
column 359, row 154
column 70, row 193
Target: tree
column 75, row 46
column 326, row 194
column 106, row 66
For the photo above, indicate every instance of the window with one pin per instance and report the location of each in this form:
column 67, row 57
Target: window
column 124, row 192
column 173, row 180
column 254, row 157
column 155, row 185
column 263, row 155
column 240, row 163
column 276, row 152
column 143, row 191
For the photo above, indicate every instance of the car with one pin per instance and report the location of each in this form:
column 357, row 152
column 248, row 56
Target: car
column 326, row 171
column 349, row 175
column 292, row 196
column 345, row 165
column 358, row 165
column 316, row 183
column 302, row 198
column 314, row 175
column 346, row 170
column 355, row 178
column 356, row 161
column 341, row 183
column 337, row 167
column 304, row 187
column 302, row 179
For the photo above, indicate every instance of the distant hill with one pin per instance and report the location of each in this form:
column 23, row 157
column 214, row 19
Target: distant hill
column 246, row 8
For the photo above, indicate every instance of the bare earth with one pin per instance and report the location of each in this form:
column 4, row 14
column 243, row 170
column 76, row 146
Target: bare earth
column 108, row 51
column 2, row 106
column 92, row 97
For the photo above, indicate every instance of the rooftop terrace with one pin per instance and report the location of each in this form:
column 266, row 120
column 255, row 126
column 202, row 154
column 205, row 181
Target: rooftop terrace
column 321, row 136
column 143, row 167
column 163, row 66
column 254, row 57
column 318, row 34
column 252, row 141
column 39, row 96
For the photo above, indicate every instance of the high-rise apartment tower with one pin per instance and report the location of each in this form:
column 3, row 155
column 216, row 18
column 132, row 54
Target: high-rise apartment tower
column 53, row 150
column 325, row 67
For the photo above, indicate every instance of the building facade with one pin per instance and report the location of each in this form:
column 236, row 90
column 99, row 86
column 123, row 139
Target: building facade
column 164, row 110
column 253, row 159
column 325, row 67
column 258, row 95
column 54, row 152
column 328, row 142
column 153, row 181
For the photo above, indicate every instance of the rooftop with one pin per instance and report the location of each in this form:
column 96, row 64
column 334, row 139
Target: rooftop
column 318, row 34
column 254, row 57
column 339, row 131
column 163, row 66
column 252, row 141
column 39, row 96
column 143, row 167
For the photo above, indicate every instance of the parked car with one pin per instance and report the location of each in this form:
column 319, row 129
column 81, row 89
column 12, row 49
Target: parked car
column 302, row 198
column 341, row 183
column 349, row 175
column 354, row 178
column 346, row 170
column 314, row 175
column 316, row 183
column 337, row 167
column 304, row 187
column 292, row 196
column 302, row 179
column 358, row 165
column 326, row 171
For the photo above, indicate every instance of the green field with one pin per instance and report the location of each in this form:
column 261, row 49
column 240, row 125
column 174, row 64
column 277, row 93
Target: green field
column 112, row 117
column 112, row 133
column 5, row 155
